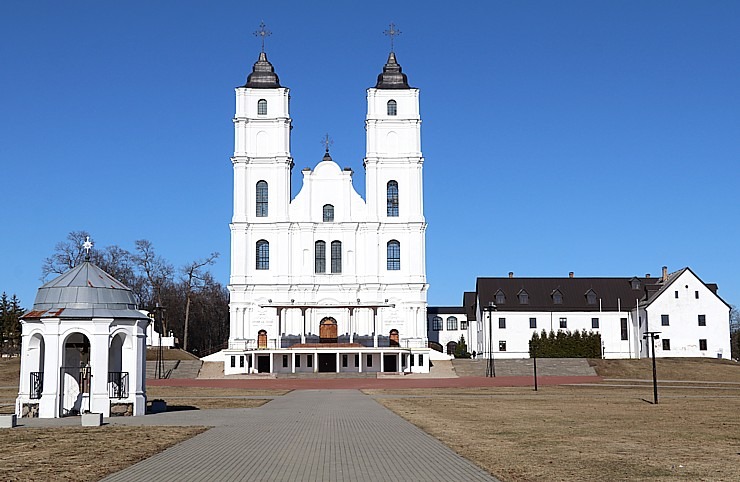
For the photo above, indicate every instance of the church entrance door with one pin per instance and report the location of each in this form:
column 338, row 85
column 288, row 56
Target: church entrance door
column 389, row 363
column 328, row 330
column 327, row 362
column 262, row 339
column 263, row 363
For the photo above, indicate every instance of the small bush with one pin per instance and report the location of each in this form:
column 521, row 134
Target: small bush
column 565, row 344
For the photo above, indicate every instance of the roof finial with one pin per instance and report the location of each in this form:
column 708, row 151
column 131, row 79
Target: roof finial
column 392, row 32
column 262, row 33
column 327, row 141
column 87, row 246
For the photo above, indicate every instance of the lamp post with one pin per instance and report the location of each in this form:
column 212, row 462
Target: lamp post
column 533, row 347
column 158, row 327
column 653, row 336
column 491, row 365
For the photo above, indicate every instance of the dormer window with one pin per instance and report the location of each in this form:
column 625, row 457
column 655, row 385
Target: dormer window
column 591, row 297
column 557, row 297
column 523, row 297
column 500, row 297
column 262, row 107
column 635, row 283
column 328, row 213
column 392, row 107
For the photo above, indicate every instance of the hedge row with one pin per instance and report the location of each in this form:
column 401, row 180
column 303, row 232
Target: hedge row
column 564, row 344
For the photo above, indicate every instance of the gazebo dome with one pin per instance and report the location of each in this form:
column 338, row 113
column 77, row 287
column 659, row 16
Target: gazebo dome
column 85, row 291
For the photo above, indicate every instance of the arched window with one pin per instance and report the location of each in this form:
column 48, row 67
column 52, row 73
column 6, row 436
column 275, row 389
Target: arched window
column 336, row 256
column 392, row 107
column 392, row 199
column 320, row 257
column 262, row 107
column 437, row 323
column 394, row 255
column 262, row 199
column 328, row 213
column 263, row 254
column 393, row 337
column 451, row 323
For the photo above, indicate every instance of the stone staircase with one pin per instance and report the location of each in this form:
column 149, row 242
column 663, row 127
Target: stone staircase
column 573, row 367
column 175, row 368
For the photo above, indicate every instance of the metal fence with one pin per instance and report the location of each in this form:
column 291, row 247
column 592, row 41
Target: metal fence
column 118, row 384
column 37, row 385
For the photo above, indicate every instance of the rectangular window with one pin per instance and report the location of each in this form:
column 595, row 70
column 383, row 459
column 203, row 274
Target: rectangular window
column 285, row 361
column 241, row 362
column 696, row 295
column 357, row 361
column 421, row 360
column 702, row 320
column 625, row 333
column 703, row 345
column 664, row 321
column 298, row 361
column 463, row 325
column 563, row 323
column 533, row 322
column 233, row 361
column 344, row 361
column 502, row 345
column 437, row 323
column 336, row 257
column 320, row 257
column 666, row 344
column 502, row 323
column 369, row 360
column 309, row 361
column 675, row 293
column 594, row 323
column 411, row 359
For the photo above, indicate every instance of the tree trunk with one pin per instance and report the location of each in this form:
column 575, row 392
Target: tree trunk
column 187, row 317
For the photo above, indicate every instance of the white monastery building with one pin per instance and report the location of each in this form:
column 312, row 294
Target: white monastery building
column 504, row 313
column 327, row 281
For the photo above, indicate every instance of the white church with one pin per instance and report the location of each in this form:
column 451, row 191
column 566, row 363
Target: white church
column 331, row 282
column 327, row 281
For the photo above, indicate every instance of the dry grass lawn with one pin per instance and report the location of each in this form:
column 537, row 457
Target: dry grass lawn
column 81, row 454
column 686, row 369
column 585, row 434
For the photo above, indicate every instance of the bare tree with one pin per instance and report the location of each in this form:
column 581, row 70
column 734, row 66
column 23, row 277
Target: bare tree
column 193, row 277
column 158, row 272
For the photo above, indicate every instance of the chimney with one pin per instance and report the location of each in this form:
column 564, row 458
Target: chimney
column 570, row 274
column 647, row 275
column 665, row 274
column 511, row 274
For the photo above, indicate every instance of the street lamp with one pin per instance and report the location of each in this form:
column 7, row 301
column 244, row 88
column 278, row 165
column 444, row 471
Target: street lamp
column 490, row 366
column 653, row 336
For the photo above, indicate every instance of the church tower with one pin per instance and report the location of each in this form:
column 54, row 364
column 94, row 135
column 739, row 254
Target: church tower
column 262, row 165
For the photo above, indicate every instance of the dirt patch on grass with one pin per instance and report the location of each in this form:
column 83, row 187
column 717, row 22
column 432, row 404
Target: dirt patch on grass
column 81, row 454
column 10, row 369
column 585, row 434
column 691, row 369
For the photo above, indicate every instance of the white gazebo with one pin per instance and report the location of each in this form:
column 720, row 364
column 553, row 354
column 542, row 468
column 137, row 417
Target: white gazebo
column 84, row 348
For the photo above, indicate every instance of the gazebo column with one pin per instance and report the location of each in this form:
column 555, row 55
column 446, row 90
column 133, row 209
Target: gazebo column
column 99, row 401
column 49, row 403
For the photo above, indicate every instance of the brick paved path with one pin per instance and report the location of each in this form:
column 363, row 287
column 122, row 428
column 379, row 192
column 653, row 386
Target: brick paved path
column 308, row 435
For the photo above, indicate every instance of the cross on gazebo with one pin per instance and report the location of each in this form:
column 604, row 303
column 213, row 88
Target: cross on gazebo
column 87, row 246
column 392, row 32
column 327, row 141
column 262, row 33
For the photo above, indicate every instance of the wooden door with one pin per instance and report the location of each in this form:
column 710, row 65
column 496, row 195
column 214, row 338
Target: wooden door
column 262, row 339
column 328, row 330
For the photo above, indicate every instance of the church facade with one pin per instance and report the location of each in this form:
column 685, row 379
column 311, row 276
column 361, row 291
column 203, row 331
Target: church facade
column 327, row 281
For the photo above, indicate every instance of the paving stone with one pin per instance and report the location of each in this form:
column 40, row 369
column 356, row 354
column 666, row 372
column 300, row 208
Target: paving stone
column 306, row 435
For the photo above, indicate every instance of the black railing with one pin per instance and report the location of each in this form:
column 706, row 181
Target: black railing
column 118, row 384
column 37, row 385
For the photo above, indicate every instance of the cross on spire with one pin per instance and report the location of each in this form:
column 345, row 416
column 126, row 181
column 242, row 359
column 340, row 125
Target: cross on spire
column 392, row 32
column 262, row 33
column 327, row 141
column 87, row 246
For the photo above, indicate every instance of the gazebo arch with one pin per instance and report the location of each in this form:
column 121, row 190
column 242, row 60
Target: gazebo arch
column 33, row 360
column 75, row 374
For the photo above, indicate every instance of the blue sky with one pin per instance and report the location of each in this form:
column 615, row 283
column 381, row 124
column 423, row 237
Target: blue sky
column 596, row 137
